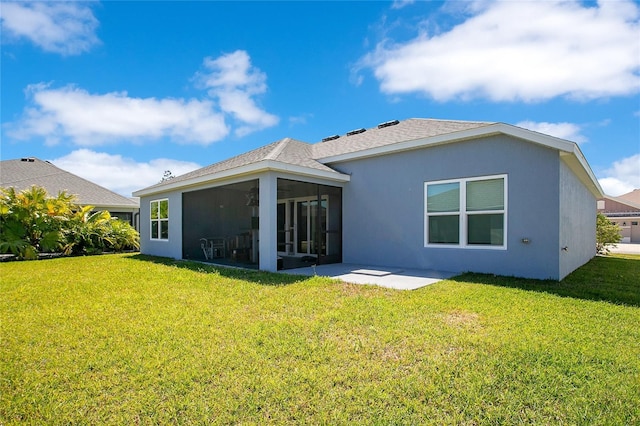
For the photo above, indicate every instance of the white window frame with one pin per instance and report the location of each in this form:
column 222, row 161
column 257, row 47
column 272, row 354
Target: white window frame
column 159, row 220
column 463, row 214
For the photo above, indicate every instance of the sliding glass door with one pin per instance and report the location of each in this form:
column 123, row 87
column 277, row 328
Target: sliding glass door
column 302, row 226
column 311, row 226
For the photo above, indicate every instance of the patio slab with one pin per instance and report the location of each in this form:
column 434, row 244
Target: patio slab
column 389, row 277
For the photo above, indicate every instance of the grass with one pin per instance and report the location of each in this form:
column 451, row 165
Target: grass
column 129, row 339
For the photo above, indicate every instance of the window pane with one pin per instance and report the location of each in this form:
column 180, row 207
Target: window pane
column 444, row 229
column 164, row 209
column 485, row 229
column 164, row 229
column 485, row 195
column 281, row 230
column 303, row 218
column 154, row 210
column 443, row 197
column 154, row 229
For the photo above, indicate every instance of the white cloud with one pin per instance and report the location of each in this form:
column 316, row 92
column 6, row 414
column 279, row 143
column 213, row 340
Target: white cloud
column 399, row 4
column 88, row 119
column 67, row 28
column 120, row 174
column 568, row 131
column 232, row 80
column 93, row 119
column 300, row 119
column 622, row 177
column 529, row 51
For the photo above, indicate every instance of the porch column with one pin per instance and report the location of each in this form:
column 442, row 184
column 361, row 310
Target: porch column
column 268, row 222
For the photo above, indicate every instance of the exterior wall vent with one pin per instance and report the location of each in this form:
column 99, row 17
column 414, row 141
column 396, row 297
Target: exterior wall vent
column 387, row 124
column 330, row 138
column 355, row 132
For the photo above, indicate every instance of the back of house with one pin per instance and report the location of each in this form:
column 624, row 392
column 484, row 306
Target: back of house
column 420, row 193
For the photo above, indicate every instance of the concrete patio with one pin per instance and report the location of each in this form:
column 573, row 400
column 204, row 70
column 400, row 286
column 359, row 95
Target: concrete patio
column 389, row 277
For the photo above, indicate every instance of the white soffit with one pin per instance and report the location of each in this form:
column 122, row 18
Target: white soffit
column 249, row 169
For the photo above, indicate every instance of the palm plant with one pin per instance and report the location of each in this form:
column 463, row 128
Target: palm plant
column 30, row 222
column 87, row 231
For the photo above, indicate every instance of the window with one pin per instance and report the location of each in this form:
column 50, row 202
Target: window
column 160, row 220
column 466, row 212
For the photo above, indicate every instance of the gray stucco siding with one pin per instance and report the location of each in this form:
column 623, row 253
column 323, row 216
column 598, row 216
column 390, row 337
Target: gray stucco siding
column 577, row 222
column 384, row 217
column 166, row 248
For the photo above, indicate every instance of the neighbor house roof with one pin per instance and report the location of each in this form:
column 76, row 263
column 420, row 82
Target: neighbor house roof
column 631, row 197
column 389, row 137
column 621, row 205
column 26, row 172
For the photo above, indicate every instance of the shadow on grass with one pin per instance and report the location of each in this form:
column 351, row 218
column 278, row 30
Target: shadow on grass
column 258, row 277
column 614, row 279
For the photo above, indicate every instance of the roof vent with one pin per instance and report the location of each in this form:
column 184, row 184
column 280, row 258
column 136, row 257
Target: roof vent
column 330, row 138
column 28, row 160
column 387, row 124
column 355, row 132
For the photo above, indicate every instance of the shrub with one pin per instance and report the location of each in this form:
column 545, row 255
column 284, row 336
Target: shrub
column 31, row 222
column 607, row 234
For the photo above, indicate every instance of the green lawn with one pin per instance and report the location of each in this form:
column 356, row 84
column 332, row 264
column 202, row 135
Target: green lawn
column 129, row 339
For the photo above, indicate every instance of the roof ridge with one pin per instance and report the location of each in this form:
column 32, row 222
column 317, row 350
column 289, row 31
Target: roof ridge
column 442, row 120
column 277, row 150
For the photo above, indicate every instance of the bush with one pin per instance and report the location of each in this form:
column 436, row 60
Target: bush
column 31, row 222
column 607, row 234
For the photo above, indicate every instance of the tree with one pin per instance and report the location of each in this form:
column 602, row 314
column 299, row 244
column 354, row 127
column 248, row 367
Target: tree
column 607, row 234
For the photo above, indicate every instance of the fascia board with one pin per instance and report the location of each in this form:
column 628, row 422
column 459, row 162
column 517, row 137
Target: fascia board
column 261, row 166
column 406, row 146
column 584, row 172
column 122, row 208
column 570, row 152
column 489, row 130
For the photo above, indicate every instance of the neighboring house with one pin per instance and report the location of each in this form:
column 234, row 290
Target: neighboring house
column 430, row 194
column 26, row 172
column 625, row 211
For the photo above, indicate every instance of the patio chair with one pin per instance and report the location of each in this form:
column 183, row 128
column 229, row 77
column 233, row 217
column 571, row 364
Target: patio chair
column 207, row 248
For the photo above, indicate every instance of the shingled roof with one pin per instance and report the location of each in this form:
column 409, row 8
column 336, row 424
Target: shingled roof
column 302, row 158
column 286, row 151
column 632, row 197
column 391, row 133
column 26, row 172
column 289, row 151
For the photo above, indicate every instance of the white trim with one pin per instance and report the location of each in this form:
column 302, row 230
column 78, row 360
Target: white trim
column 463, row 214
column 579, row 166
column 261, row 166
column 568, row 150
column 159, row 220
column 484, row 131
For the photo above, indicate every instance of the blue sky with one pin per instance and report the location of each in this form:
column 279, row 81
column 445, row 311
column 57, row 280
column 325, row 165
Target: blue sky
column 119, row 92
